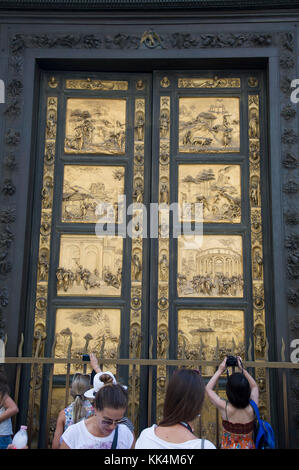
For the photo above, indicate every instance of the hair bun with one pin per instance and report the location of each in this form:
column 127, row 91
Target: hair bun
column 106, row 379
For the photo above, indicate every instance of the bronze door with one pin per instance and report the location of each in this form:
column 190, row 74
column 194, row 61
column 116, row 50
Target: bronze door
column 119, row 277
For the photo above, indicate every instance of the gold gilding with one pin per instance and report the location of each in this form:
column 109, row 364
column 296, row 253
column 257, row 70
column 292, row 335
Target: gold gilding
column 90, row 266
column 90, row 194
column 209, row 124
column 93, row 329
column 210, row 266
column 214, row 82
column 216, row 187
column 95, row 125
column 89, row 84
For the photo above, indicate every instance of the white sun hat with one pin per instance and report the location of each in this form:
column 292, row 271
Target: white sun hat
column 98, row 384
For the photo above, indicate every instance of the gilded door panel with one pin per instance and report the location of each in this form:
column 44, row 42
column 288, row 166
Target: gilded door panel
column 90, row 265
column 165, row 138
column 210, row 333
column 216, row 187
column 92, row 193
column 95, row 126
column 209, row 124
column 210, row 266
column 93, row 329
column 85, row 300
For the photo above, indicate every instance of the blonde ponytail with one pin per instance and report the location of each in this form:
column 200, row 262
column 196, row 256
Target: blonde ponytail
column 80, row 384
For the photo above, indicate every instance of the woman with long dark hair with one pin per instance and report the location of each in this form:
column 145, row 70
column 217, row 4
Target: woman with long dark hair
column 183, row 403
column 237, row 414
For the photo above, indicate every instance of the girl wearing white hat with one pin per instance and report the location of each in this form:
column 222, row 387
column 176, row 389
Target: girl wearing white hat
column 106, row 428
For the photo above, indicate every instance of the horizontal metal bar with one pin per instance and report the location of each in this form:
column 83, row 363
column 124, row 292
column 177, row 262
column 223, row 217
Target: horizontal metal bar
column 145, row 362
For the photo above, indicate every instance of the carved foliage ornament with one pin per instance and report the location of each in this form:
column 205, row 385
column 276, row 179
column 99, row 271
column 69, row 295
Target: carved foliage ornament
column 149, row 39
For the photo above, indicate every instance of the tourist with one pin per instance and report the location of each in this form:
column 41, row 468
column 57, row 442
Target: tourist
column 237, row 414
column 8, row 408
column 105, row 429
column 97, row 370
column 79, row 409
column 183, row 403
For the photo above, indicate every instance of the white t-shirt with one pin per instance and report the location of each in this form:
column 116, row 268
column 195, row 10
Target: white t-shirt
column 149, row 440
column 77, row 436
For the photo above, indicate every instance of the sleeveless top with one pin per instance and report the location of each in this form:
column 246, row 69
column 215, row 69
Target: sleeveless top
column 237, row 435
column 5, row 426
column 68, row 411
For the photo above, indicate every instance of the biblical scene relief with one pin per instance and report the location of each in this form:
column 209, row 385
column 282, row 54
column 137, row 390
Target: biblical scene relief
column 209, row 125
column 211, row 334
column 216, row 187
column 79, row 331
column 90, row 265
column 210, row 266
column 85, row 188
column 95, row 126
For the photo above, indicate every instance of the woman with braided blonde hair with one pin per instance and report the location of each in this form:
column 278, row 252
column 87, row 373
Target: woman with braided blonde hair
column 79, row 409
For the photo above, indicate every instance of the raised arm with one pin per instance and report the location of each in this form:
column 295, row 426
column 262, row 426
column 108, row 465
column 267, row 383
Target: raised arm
column 94, row 363
column 254, row 394
column 214, row 398
column 11, row 408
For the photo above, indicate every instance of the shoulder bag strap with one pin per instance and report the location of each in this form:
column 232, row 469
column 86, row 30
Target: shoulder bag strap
column 203, row 443
column 114, row 443
column 255, row 408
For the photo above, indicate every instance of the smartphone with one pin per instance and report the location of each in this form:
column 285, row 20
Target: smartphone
column 85, row 357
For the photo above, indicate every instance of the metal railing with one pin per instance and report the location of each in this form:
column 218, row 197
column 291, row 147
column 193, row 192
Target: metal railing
column 134, row 366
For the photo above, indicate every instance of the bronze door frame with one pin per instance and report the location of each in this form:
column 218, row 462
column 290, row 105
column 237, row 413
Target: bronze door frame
column 156, row 306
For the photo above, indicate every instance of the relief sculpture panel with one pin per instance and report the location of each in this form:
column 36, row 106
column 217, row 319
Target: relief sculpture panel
column 90, row 193
column 213, row 333
column 90, row 265
column 216, row 187
column 209, row 125
column 95, row 125
column 210, row 266
column 85, row 330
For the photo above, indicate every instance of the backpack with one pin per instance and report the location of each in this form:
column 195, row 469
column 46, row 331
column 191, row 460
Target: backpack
column 264, row 435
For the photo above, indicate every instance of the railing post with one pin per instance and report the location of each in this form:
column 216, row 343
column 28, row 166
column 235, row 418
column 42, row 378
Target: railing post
column 285, row 397
column 51, row 373
column 33, row 387
column 18, row 377
column 150, row 386
column 68, row 370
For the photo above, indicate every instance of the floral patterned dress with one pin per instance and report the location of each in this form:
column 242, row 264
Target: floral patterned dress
column 237, row 435
column 69, row 416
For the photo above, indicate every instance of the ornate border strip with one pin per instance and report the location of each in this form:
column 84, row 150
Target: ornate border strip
column 214, row 82
column 89, row 84
column 46, row 216
column 137, row 250
column 163, row 251
column 259, row 316
column 41, row 302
